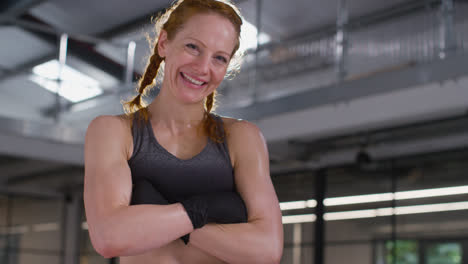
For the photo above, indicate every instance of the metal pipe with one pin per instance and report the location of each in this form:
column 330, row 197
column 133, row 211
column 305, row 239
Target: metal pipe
column 447, row 41
column 393, row 181
column 256, row 81
column 320, row 193
column 128, row 78
column 63, row 46
column 297, row 241
column 341, row 50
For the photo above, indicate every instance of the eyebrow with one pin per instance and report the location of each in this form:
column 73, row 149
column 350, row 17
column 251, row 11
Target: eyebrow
column 197, row 40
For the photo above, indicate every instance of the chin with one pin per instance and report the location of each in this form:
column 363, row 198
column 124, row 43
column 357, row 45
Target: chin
column 194, row 97
column 191, row 99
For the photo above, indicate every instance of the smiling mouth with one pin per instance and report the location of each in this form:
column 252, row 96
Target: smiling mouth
column 191, row 80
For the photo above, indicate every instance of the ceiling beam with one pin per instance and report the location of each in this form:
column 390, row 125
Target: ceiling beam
column 378, row 152
column 82, row 50
column 13, row 8
column 31, row 192
column 26, row 67
column 371, row 19
column 130, row 26
column 41, row 141
column 381, row 82
column 82, row 47
column 63, row 170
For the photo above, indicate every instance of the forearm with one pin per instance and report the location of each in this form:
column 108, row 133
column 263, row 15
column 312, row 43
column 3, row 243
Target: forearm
column 134, row 230
column 239, row 243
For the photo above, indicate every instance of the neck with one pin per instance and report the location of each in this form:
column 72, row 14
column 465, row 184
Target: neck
column 175, row 115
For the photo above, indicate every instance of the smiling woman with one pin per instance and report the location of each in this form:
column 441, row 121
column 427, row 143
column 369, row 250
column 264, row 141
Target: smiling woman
column 172, row 182
column 174, row 20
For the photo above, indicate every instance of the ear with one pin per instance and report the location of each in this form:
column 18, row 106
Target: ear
column 162, row 43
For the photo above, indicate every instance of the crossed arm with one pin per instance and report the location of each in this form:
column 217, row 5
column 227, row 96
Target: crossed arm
column 117, row 229
column 260, row 240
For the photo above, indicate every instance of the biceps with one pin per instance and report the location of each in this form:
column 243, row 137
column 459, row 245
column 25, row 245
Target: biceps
column 261, row 201
column 106, row 189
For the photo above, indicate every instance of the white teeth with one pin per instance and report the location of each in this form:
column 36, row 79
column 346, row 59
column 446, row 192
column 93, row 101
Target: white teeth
column 192, row 80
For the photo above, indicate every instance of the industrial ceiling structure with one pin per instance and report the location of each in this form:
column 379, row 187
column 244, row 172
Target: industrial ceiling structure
column 334, row 78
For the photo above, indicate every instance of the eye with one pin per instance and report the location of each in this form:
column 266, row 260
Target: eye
column 191, row 46
column 221, row 59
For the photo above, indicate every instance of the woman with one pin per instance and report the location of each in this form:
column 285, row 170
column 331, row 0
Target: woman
column 172, row 169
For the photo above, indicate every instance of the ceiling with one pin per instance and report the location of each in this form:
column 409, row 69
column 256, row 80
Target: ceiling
column 99, row 32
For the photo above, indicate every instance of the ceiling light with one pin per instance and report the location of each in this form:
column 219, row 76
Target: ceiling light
column 291, row 219
column 379, row 197
column 74, row 85
column 249, row 37
column 370, row 213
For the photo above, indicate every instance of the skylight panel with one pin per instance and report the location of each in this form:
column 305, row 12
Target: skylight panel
column 249, row 36
column 75, row 86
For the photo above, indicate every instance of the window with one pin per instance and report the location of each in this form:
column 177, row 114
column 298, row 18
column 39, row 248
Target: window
column 75, row 87
column 444, row 253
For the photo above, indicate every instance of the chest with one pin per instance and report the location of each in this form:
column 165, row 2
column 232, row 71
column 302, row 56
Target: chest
column 182, row 169
column 184, row 146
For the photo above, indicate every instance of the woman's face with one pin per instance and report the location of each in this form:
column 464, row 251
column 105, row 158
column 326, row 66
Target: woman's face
column 196, row 60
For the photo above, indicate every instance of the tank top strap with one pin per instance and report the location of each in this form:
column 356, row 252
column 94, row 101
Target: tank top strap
column 138, row 131
column 222, row 132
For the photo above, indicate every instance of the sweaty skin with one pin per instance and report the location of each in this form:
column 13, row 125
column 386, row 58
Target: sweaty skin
column 150, row 233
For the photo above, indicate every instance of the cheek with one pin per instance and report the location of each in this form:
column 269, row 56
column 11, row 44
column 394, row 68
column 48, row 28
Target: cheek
column 220, row 75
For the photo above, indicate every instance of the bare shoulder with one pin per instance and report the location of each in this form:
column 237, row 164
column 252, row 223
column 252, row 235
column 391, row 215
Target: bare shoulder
column 239, row 128
column 112, row 129
column 107, row 122
column 244, row 139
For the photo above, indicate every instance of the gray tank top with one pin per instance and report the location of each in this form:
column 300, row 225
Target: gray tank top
column 207, row 172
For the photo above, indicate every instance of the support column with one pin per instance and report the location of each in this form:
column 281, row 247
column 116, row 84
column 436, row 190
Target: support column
column 341, row 50
column 320, row 191
column 128, row 78
column 255, row 80
column 464, row 252
column 62, row 55
column 297, row 242
column 394, row 216
column 447, row 41
column 72, row 228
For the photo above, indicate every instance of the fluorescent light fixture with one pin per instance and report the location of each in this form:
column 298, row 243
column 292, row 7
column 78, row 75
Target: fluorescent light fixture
column 358, row 214
column 293, row 205
column 431, row 192
column 370, row 213
column 75, row 86
column 357, row 199
column 402, row 210
column 291, row 219
column 45, row 227
column 380, row 197
column 298, row 205
column 249, row 36
column 20, row 229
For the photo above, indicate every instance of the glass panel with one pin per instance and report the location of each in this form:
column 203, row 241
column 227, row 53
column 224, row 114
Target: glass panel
column 287, row 255
column 3, row 210
column 406, row 252
column 38, row 221
column 355, row 253
column 27, row 258
column 30, row 231
column 444, row 253
column 93, row 259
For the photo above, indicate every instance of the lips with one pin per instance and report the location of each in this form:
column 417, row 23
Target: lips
column 192, row 80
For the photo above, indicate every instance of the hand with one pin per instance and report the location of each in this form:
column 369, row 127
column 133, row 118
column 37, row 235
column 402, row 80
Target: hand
column 143, row 192
column 223, row 208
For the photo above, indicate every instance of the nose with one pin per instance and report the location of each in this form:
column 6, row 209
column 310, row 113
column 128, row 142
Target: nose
column 202, row 64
